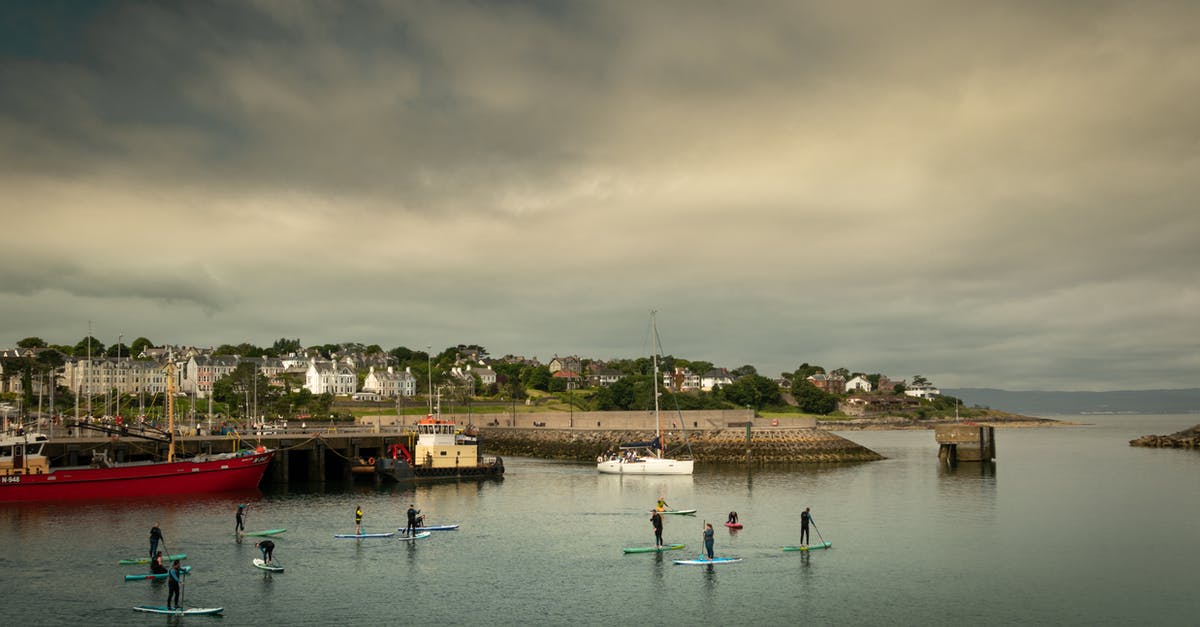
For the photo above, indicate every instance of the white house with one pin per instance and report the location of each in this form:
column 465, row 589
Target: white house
column 859, row 383
column 389, row 383
column 715, row 377
column 325, row 377
column 923, row 390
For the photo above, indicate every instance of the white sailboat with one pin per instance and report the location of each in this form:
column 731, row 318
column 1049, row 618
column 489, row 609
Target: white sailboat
column 647, row 458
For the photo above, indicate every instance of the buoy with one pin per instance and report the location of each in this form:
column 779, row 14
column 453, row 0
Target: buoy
column 371, row 461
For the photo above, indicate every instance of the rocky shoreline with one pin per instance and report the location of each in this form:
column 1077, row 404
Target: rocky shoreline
column 1188, row 438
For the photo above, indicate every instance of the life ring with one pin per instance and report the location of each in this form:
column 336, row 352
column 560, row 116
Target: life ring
column 370, row 461
column 600, row 458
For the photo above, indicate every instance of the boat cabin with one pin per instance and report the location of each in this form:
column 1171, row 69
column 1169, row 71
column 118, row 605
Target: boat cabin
column 21, row 454
column 441, row 444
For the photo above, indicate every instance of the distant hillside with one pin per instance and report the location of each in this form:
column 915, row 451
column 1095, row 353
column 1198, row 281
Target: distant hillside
column 1032, row 402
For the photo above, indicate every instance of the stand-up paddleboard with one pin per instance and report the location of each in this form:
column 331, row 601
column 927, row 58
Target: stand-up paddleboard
column 268, row 532
column 705, row 560
column 654, row 549
column 679, row 512
column 162, row 609
column 275, row 568
column 359, row 536
column 437, row 528
column 811, row 547
column 153, row 575
column 146, row 560
column 417, row 536
column 733, row 525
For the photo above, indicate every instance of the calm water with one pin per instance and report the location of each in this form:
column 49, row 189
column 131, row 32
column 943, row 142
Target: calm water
column 1071, row 526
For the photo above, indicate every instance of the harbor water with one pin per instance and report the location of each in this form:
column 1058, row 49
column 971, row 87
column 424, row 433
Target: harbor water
column 1070, row 526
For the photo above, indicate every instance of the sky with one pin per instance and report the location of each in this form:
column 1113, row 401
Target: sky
column 987, row 194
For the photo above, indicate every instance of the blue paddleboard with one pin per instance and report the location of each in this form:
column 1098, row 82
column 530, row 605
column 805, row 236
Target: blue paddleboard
column 705, row 560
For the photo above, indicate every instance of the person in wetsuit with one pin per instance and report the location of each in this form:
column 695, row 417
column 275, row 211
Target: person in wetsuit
column 174, row 583
column 268, row 550
column 156, row 536
column 656, row 522
column 240, row 526
column 708, row 540
column 411, row 527
column 805, row 519
column 157, row 567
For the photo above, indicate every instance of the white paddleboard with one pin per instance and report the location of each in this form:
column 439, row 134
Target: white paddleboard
column 162, row 609
column 275, row 568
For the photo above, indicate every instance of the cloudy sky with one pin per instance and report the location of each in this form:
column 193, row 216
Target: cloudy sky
column 994, row 194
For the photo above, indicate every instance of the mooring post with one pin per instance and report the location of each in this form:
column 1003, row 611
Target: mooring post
column 747, row 443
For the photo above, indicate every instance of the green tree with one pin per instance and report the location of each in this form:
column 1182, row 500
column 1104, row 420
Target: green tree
column 812, row 400
column 744, row 371
column 753, row 391
column 805, row 371
column 82, row 347
column 284, row 346
column 618, row 396
column 139, row 345
column 32, row 342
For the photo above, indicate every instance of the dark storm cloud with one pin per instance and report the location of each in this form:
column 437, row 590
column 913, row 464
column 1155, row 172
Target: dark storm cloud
column 983, row 193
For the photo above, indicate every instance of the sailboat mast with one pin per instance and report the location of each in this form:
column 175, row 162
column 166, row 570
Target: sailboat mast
column 658, row 439
column 170, row 408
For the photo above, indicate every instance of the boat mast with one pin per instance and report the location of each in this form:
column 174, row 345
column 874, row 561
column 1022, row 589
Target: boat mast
column 170, row 408
column 658, row 439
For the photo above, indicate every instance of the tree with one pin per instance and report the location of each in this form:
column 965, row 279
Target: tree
column 752, row 391
column 284, row 346
column 744, row 370
column 82, row 347
column 805, row 371
column 139, row 346
column 813, row 400
column 840, row 372
column 118, row 349
column 919, row 380
column 32, row 342
column 618, row 396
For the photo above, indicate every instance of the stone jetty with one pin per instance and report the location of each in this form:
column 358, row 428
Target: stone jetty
column 1188, row 438
column 767, row 445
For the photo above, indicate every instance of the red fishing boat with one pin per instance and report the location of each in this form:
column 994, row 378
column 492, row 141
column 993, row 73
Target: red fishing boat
column 26, row 475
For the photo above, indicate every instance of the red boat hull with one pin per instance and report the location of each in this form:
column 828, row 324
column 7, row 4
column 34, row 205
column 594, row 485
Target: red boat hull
column 136, row 480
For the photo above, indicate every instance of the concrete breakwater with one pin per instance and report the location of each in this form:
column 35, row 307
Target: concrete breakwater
column 721, row 445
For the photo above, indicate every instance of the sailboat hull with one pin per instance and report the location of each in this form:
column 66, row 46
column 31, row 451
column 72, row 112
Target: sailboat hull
column 646, row 466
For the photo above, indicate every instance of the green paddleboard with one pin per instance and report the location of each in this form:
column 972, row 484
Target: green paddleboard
column 268, row 532
column 146, row 560
column 654, row 549
column 811, row 547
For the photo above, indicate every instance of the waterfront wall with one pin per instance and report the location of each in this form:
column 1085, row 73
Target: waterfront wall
column 764, row 445
column 693, row 419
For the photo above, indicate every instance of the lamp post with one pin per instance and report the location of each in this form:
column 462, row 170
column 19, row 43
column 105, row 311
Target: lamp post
column 429, row 373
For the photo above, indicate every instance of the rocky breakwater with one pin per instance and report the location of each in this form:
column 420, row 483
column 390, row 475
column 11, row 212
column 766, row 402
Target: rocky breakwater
column 1188, row 438
column 718, row 446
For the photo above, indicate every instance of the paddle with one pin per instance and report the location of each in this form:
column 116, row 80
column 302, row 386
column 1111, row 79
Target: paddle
column 814, row 526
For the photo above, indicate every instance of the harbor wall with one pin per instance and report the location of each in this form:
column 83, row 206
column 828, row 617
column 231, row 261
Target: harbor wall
column 765, row 445
column 692, row 419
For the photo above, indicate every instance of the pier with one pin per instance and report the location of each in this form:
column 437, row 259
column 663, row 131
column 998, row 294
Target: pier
column 965, row 443
column 319, row 452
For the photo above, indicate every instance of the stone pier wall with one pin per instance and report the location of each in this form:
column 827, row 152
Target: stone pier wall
column 727, row 446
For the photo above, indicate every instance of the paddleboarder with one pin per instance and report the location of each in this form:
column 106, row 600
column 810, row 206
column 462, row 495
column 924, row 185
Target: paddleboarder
column 156, row 536
column 358, row 520
column 662, row 504
column 708, row 539
column 241, row 519
column 411, row 527
column 732, row 520
column 656, row 522
column 268, row 550
column 174, row 583
column 157, row 567
column 805, row 519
